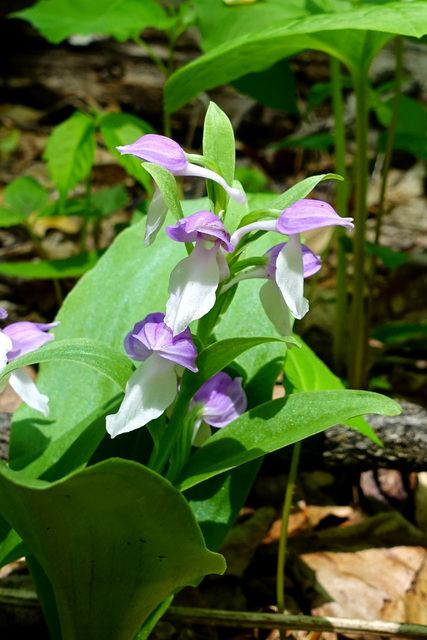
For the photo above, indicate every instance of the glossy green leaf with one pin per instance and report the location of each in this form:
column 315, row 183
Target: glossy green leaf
column 252, row 50
column 111, row 363
column 128, row 282
column 277, row 424
column 118, row 129
column 72, row 267
column 304, row 371
column 70, row 150
column 300, row 190
column 218, row 141
column 122, row 19
column 25, row 195
column 134, row 535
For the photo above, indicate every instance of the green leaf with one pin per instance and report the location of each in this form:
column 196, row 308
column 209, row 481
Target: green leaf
column 319, row 141
column 218, row 141
column 118, row 129
column 167, row 185
column 70, row 150
column 134, row 535
column 108, row 201
column 277, row 424
column 304, row 371
column 274, row 87
column 10, row 218
column 399, row 332
column 122, row 19
column 127, row 283
column 72, row 267
column 300, row 190
column 217, row 502
column 337, row 33
column 25, row 195
column 111, row 363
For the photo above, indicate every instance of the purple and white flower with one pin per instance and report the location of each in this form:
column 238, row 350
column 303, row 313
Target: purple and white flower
column 194, row 280
column 220, row 401
column 153, row 386
column 16, row 340
column 300, row 217
column 168, row 154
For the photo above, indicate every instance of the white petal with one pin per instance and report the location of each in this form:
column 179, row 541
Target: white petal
column 276, row 308
column 26, row 389
column 290, row 276
column 5, row 347
column 192, row 287
column 156, row 217
column 201, row 172
column 149, row 391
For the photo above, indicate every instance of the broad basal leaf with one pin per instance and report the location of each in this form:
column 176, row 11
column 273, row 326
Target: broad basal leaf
column 115, row 537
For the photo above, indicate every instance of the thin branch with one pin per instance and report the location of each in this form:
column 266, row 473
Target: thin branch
column 244, row 620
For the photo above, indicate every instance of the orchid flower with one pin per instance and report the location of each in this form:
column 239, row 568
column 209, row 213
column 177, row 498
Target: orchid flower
column 168, row 154
column 300, row 217
column 153, row 386
column 220, row 400
column 194, row 280
column 16, row 340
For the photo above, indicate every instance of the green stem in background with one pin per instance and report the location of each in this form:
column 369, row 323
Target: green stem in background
column 166, row 70
column 340, row 333
column 391, row 131
column 83, row 235
column 280, row 584
column 357, row 363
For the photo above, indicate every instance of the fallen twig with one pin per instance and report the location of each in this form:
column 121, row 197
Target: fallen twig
column 245, row 620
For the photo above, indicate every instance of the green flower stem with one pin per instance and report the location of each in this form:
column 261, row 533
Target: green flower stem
column 340, row 337
column 357, row 365
column 280, row 584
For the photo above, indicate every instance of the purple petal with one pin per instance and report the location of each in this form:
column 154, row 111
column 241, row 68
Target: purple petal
column 307, row 214
column 151, row 335
column 3, row 313
column 203, row 224
column 311, row 262
column 223, row 398
column 157, row 149
column 27, row 336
